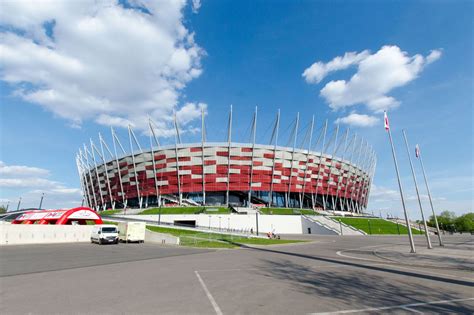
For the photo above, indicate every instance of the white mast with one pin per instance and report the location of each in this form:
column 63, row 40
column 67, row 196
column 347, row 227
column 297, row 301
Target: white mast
column 292, row 158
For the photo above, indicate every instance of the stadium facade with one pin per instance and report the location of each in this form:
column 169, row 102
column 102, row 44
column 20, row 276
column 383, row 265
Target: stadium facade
column 337, row 177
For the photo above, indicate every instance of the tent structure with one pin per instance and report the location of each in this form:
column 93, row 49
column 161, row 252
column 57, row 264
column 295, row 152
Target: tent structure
column 80, row 216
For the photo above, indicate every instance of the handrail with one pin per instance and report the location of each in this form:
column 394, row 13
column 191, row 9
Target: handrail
column 321, row 223
column 347, row 225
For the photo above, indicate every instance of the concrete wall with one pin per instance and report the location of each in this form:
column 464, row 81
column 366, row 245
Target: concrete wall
column 15, row 234
column 165, row 239
column 280, row 224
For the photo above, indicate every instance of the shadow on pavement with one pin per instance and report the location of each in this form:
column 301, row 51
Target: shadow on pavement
column 360, row 289
column 362, row 266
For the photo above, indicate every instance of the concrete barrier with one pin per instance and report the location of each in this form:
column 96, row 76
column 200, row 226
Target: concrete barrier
column 16, row 234
column 165, row 239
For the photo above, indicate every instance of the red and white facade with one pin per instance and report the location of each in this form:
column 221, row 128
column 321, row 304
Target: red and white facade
column 226, row 173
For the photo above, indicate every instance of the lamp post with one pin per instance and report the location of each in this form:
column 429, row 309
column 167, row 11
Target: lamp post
column 256, row 222
column 41, row 201
column 159, row 214
column 19, row 203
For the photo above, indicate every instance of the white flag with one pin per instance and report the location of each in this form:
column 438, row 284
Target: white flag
column 417, row 151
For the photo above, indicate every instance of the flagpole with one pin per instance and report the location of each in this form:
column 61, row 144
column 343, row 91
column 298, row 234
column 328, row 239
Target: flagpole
column 431, row 201
column 428, row 241
column 410, row 235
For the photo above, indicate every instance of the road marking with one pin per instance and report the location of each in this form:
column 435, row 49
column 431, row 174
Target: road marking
column 403, row 306
column 209, row 295
column 340, row 252
column 411, row 310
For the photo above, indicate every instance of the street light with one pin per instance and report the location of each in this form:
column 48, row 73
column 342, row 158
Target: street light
column 19, row 203
column 41, row 201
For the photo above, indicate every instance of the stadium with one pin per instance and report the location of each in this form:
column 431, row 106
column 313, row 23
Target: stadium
column 338, row 176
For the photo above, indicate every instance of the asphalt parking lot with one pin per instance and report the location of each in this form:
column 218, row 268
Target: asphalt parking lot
column 335, row 275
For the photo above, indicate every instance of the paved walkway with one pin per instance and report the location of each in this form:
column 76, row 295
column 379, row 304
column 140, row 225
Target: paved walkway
column 452, row 255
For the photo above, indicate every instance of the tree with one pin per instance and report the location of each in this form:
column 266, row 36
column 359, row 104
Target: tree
column 465, row 223
column 3, row 209
column 445, row 220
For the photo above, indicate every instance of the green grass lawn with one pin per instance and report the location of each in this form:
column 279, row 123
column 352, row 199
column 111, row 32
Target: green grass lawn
column 286, row 211
column 187, row 210
column 109, row 212
column 377, row 226
column 109, row 222
column 214, row 240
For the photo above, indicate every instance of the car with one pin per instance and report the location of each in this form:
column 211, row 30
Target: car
column 105, row 233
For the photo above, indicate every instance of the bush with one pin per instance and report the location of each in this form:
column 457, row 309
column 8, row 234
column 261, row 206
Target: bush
column 448, row 221
column 465, row 223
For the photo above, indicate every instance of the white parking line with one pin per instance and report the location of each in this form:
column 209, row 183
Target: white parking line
column 209, row 295
column 403, row 306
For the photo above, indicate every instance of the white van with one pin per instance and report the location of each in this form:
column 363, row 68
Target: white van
column 104, row 233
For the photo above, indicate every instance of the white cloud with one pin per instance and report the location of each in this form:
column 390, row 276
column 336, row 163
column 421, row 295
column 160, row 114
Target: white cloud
column 358, row 120
column 31, row 182
column 21, row 170
column 196, row 5
column 102, row 61
column 319, row 70
column 433, row 56
column 28, row 182
column 377, row 74
column 379, row 193
column 189, row 111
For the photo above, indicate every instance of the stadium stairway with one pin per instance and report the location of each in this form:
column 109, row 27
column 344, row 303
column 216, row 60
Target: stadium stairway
column 335, row 226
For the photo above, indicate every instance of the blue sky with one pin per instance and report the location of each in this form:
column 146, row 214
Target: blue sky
column 111, row 63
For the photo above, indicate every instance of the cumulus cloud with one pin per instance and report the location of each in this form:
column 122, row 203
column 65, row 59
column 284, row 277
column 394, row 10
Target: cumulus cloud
column 358, row 120
column 105, row 61
column 31, row 182
column 377, row 74
column 21, row 170
column 319, row 70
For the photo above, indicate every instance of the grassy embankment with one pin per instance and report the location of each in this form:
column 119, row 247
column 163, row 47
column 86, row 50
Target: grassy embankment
column 109, row 212
column 187, row 210
column 214, row 240
column 377, row 226
column 286, row 211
